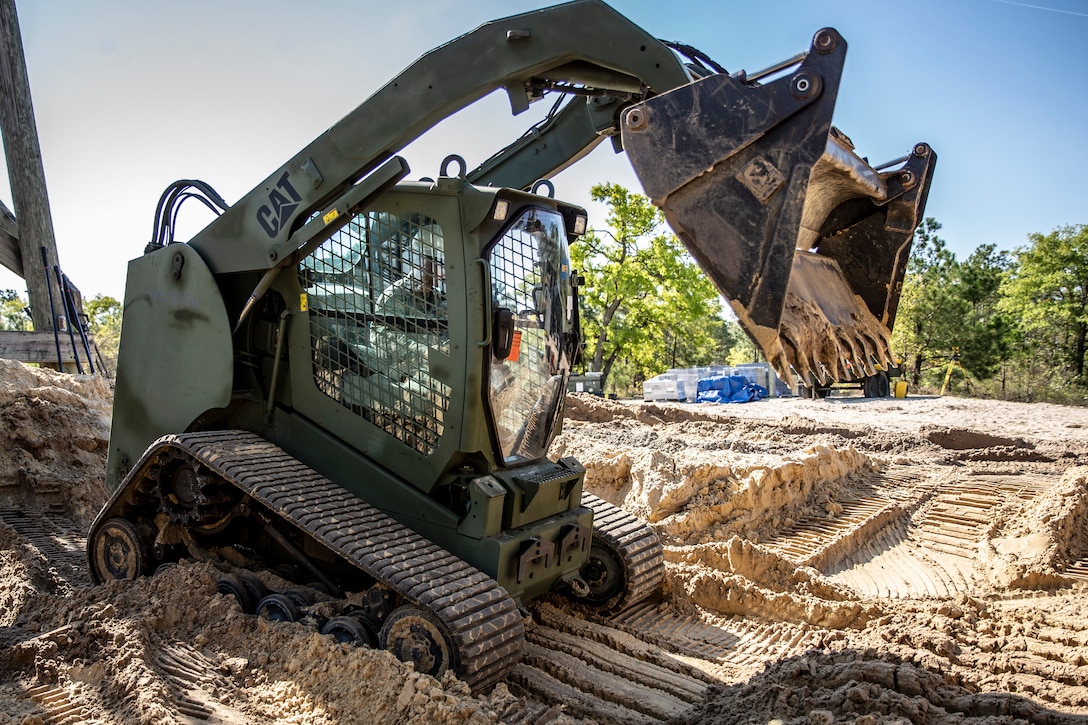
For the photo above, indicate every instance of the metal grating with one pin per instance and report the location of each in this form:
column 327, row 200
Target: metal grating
column 377, row 305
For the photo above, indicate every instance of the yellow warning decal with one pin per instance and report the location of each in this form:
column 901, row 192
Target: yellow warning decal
column 303, row 302
column 330, row 216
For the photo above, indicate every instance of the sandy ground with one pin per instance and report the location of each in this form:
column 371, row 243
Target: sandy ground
column 919, row 560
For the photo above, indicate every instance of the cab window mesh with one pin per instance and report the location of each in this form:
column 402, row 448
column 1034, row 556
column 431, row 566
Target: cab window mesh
column 377, row 307
column 528, row 275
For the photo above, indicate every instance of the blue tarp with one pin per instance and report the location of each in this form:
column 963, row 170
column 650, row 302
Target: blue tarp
column 729, row 389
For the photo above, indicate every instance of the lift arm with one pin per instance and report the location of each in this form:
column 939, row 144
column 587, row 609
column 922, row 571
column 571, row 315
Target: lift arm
column 806, row 239
column 584, row 44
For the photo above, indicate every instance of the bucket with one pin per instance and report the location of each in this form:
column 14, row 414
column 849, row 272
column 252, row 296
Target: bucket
column 901, row 388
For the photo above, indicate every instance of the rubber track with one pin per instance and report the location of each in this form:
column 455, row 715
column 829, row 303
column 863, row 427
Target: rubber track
column 640, row 549
column 481, row 617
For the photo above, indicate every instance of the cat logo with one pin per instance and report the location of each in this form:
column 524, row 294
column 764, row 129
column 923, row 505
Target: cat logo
column 282, row 202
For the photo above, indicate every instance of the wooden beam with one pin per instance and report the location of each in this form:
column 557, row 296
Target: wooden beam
column 27, row 174
column 10, row 254
column 39, row 347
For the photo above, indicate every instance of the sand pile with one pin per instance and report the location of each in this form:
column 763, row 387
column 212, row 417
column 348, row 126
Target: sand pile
column 958, row 661
column 699, row 481
column 54, row 434
column 936, row 571
column 134, row 652
column 167, row 648
column 1030, row 546
column 738, row 577
column 714, row 491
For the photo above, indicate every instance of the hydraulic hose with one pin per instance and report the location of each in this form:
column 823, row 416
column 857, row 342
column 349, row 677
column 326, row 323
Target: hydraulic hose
column 52, row 310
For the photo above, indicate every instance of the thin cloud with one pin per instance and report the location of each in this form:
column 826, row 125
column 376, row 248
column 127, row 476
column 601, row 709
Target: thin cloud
column 1040, row 7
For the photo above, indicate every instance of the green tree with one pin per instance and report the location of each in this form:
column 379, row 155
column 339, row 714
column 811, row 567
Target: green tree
column 986, row 329
column 13, row 314
column 951, row 306
column 737, row 348
column 646, row 305
column 1047, row 292
column 104, row 319
column 927, row 326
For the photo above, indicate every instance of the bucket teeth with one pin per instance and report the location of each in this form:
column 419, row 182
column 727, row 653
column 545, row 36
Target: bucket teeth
column 826, row 325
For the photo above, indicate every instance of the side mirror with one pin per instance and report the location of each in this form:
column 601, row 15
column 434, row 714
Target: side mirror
column 503, row 336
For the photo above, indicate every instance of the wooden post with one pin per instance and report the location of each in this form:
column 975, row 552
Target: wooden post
column 10, row 254
column 26, row 173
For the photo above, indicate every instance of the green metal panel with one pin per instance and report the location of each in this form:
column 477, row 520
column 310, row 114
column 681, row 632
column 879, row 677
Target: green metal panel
column 176, row 358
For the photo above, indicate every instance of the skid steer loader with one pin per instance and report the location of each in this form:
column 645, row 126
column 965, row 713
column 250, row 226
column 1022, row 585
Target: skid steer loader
column 353, row 379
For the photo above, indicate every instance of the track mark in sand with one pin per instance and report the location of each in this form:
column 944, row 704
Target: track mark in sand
column 932, row 552
column 891, row 565
column 646, row 664
column 1078, row 570
column 192, row 680
column 56, row 539
column 882, row 498
column 598, row 671
column 960, row 514
column 733, row 649
column 62, row 706
column 805, row 541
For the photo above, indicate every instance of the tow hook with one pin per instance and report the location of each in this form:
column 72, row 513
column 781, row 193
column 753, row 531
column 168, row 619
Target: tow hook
column 577, row 584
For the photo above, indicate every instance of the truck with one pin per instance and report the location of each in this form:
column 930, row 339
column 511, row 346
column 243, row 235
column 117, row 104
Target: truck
column 351, row 379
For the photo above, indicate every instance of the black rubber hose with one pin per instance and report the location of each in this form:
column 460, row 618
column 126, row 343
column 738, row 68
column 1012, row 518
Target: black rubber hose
column 73, row 319
column 68, row 312
column 52, row 309
column 82, row 327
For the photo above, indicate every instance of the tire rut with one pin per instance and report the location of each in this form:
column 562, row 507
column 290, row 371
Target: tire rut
column 58, row 541
column 194, row 684
column 646, row 664
column 930, row 550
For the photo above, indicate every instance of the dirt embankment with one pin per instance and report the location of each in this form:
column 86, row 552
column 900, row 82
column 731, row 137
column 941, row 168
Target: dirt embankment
column 916, row 560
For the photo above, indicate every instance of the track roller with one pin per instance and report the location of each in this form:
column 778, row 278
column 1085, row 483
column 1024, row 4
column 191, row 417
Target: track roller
column 279, row 608
column 256, row 588
column 415, row 635
column 117, row 551
column 351, row 629
column 230, row 586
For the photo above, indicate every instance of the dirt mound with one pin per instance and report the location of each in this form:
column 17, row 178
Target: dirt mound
column 713, row 488
column 949, row 587
column 1032, row 546
column 959, row 439
column 132, row 652
column 739, row 577
column 700, row 482
column 54, row 435
column 957, row 661
column 595, row 409
column 864, row 687
column 799, row 425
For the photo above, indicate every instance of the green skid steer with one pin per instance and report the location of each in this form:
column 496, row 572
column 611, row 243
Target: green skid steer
column 352, row 379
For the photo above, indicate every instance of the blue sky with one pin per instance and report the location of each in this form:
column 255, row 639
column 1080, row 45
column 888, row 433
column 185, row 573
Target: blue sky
column 131, row 95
